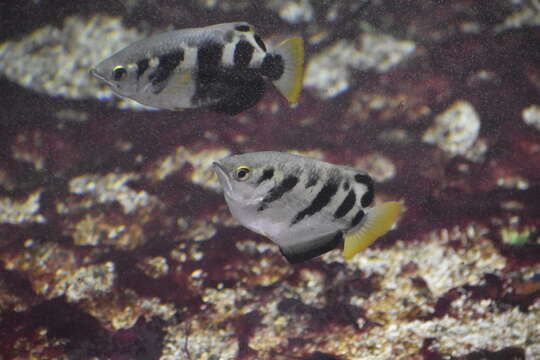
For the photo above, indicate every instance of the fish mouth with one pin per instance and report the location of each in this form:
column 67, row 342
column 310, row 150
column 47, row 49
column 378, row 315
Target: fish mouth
column 95, row 73
column 113, row 86
column 222, row 176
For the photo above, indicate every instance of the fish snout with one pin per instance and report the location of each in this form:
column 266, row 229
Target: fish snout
column 96, row 74
column 219, row 169
column 222, row 176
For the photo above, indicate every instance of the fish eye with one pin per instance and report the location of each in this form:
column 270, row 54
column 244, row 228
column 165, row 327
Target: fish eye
column 242, row 172
column 119, row 72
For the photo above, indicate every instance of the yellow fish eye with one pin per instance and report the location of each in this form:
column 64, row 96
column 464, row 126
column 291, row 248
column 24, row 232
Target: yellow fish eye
column 242, row 172
column 119, row 72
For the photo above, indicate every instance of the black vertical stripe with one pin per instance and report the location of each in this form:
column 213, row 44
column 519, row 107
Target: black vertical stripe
column 142, row 66
column 209, row 60
column 313, row 178
column 367, row 198
column 278, row 191
column 321, row 200
column 166, row 66
column 357, row 218
column 243, row 52
column 208, row 88
column 363, row 179
column 259, row 42
column 266, row 175
column 346, row 205
column 273, row 66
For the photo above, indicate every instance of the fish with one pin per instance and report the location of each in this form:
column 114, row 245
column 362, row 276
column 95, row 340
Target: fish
column 222, row 67
column 306, row 206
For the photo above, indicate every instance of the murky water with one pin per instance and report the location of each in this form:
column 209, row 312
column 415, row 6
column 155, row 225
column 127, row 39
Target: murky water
column 116, row 242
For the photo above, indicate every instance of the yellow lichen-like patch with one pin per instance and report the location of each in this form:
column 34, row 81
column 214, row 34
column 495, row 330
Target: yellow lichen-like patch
column 201, row 161
column 30, row 148
column 121, row 309
column 115, row 231
column 111, row 187
column 399, row 302
column 90, row 281
column 18, row 212
column 200, row 338
column 52, row 271
column 55, row 61
column 455, row 130
column 48, row 266
column 154, row 267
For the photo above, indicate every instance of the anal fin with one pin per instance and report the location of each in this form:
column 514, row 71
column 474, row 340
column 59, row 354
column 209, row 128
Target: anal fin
column 240, row 98
column 378, row 221
column 316, row 248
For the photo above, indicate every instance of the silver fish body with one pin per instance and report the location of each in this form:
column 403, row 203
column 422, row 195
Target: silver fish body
column 306, row 206
column 222, row 67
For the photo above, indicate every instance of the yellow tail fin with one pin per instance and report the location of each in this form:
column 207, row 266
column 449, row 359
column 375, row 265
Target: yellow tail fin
column 378, row 221
column 290, row 83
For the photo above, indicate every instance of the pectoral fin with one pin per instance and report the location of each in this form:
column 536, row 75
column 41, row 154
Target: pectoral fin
column 378, row 221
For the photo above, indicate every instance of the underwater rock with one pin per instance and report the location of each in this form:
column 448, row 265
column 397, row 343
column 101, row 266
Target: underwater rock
column 471, row 329
column 11, row 301
column 49, row 267
column 154, row 267
column 19, row 212
column 56, row 61
column 470, row 257
column 526, row 14
column 29, row 148
column 455, row 130
column 90, row 281
column 378, row 166
column 294, row 12
column 111, row 188
column 329, row 73
column 122, row 309
column 226, row 6
column 532, row 352
column 116, row 242
column 200, row 339
column 200, row 161
column 531, row 116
